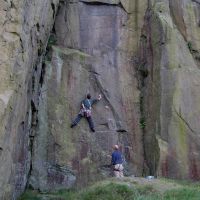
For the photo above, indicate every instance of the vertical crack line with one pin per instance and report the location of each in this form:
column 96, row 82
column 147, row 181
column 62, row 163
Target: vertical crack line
column 34, row 124
column 115, row 114
column 184, row 121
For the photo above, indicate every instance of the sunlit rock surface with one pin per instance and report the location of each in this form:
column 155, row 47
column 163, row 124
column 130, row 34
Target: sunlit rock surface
column 24, row 32
column 142, row 56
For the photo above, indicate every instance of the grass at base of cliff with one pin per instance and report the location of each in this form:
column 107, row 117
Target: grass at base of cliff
column 117, row 191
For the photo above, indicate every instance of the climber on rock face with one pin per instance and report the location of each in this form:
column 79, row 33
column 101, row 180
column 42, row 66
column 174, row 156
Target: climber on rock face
column 86, row 111
column 116, row 162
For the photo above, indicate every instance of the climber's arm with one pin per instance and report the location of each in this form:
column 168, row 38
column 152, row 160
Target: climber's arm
column 96, row 100
column 82, row 105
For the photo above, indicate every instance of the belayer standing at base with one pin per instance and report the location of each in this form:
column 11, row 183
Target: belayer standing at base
column 86, row 111
column 116, row 162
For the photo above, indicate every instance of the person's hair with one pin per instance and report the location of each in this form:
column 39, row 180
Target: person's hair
column 88, row 96
column 116, row 147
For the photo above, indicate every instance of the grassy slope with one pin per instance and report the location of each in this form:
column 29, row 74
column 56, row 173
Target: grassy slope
column 126, row 189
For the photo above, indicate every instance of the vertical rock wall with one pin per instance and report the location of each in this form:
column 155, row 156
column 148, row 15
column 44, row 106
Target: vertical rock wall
column 25, row 27
column 95, row 51
column 170, row 61
column 142, row 56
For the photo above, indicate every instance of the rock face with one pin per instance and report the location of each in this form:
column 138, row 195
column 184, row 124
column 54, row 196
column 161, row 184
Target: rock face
column 142, row 56
column 24, row 32
column 171, row 78
column 94, row 52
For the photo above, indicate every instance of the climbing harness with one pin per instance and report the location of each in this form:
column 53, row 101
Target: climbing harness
column 85, row 111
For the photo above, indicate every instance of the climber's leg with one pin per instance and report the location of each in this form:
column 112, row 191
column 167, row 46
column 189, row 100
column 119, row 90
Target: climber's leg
column 76, row 121
column 91, row 124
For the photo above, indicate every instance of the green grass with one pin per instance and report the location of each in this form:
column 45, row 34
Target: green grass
column 30, row 195
column 183, row 194
column 117, row 191
column 184, row 183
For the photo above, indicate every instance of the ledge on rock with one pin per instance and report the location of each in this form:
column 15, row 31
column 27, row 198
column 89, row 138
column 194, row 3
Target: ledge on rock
column 126, row 5
column 113, row 2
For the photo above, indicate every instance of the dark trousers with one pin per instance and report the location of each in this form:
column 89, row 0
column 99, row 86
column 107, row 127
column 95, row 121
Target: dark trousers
column 89, row 119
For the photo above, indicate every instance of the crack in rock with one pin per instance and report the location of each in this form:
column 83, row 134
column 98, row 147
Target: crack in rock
column 122, row 131
column 91, row 71
column 115, row 114
column 107, row 2
column 185, row 122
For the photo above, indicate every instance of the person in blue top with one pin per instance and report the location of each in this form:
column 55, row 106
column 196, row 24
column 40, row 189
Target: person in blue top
column 86, row 111
column 117, row 161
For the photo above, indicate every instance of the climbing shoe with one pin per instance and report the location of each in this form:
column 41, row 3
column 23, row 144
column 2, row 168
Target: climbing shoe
column 92, row 130
column 72, row 125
